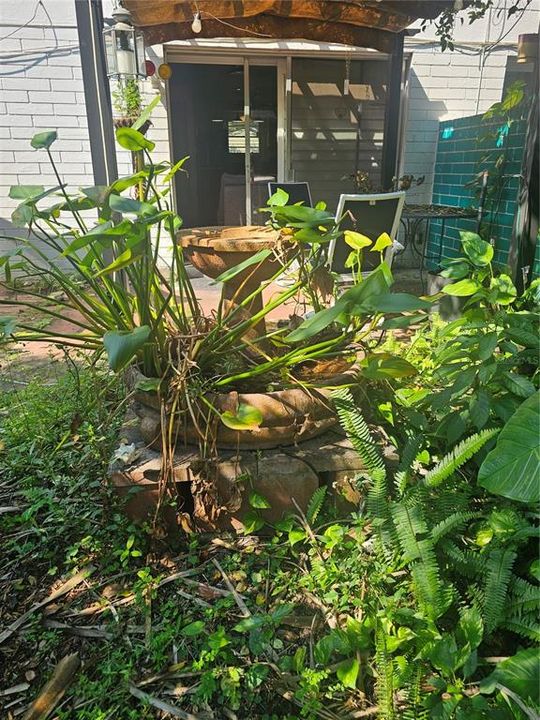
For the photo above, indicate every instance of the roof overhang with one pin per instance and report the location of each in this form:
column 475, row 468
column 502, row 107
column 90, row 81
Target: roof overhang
column 362, row 23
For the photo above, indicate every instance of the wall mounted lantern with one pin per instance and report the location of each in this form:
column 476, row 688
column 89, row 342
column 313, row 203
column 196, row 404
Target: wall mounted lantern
column 124, row 48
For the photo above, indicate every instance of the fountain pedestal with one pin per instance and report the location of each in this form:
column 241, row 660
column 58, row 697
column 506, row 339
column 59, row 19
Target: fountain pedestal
column 214, row 250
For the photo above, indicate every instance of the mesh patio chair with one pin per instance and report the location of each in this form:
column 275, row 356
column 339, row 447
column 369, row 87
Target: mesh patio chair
column 370, row 215
column 297, row 191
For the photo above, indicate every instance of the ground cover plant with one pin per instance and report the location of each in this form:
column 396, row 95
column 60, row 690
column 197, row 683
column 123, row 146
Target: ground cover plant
column 421, row 603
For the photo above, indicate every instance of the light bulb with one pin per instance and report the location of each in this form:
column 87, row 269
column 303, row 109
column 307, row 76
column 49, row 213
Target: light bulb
column 196, row 25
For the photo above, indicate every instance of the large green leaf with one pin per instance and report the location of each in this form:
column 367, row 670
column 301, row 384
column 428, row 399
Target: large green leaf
column 133, row 140
column 462, row 288
column 477, row 250
column 398, row 302
column 128, row 257
column 130, row 205
column 279, row 198
column 518, row 384
column 381, row 366
column 8, row 325
column 22, row 215
column 358, row 299
column 121, row 346
column 25, row 192
column 99, row 233
column 246, row 417
column 316, row 323
column 356, row 240
column 520, row 674
column 512, row 468
column 455, row 269
column 347, row 671
column 43, row 140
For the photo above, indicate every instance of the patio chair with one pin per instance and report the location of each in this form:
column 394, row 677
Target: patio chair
column 370, row 215
column 297, row 191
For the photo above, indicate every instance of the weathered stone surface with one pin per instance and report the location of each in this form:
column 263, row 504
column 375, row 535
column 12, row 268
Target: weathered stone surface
column 281, row 479
column 217, row 494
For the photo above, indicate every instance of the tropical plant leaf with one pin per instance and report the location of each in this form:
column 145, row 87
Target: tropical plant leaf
column 518, row 384
column 479, row 409
column 512, row 468
column 356, row 240
column 8, row 325
column 383, row 241
column 25, row 192
column 43, row 140
column 131, row 139
column 121, row 346
column 246, row 417
column 146, row 113
column 347, row 671
column 398, row 302
column 130, row 205
column 462, row 288
column 256, row 500
column 519, row 673
column 477, row 250
column 316, row 323
column 379, row 366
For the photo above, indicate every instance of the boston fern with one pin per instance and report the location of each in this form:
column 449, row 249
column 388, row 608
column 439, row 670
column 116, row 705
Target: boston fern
column 456, row 576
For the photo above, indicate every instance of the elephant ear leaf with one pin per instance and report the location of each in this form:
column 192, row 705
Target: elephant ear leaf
column 512, row 468
column 518, row 675
column 43, row 140
column 121, row 346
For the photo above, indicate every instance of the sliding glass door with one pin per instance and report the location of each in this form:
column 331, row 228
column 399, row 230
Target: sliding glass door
column 226, row 116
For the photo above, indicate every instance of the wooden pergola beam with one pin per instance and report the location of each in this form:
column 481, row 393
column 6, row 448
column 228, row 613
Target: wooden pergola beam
column 277, row 27
column 362, row 23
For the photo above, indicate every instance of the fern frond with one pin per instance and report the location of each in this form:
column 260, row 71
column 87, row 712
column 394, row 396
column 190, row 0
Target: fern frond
column 357, row 430
column 524, row 597
column 413, row 695
column 384, row 668
column 410, row 451
column 469, row 563
column 455, row 521
column 413, row 537
column 458, row 456
column 498, row 574
column 315, row 504
column 526, row 627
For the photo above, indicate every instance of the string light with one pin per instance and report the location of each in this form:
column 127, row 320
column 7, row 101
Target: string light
column 196, row 25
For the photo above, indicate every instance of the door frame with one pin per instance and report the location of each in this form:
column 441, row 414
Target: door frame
column 173, row 55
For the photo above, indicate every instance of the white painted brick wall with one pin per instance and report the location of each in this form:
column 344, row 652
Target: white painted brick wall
column 455, row 84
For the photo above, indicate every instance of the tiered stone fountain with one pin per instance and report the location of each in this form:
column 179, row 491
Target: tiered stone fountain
column 281, row 460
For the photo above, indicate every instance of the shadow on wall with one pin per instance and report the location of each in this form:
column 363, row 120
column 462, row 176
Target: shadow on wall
column 419, row 154
column 17, row 239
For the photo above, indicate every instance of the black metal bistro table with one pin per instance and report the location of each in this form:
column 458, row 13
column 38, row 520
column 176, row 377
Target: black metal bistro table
column 414, row 215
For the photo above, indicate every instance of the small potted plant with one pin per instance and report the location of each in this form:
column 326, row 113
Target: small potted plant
column 127, row 104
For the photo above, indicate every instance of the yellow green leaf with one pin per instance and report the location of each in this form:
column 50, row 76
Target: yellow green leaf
column 356, row 240
column 383, row 241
